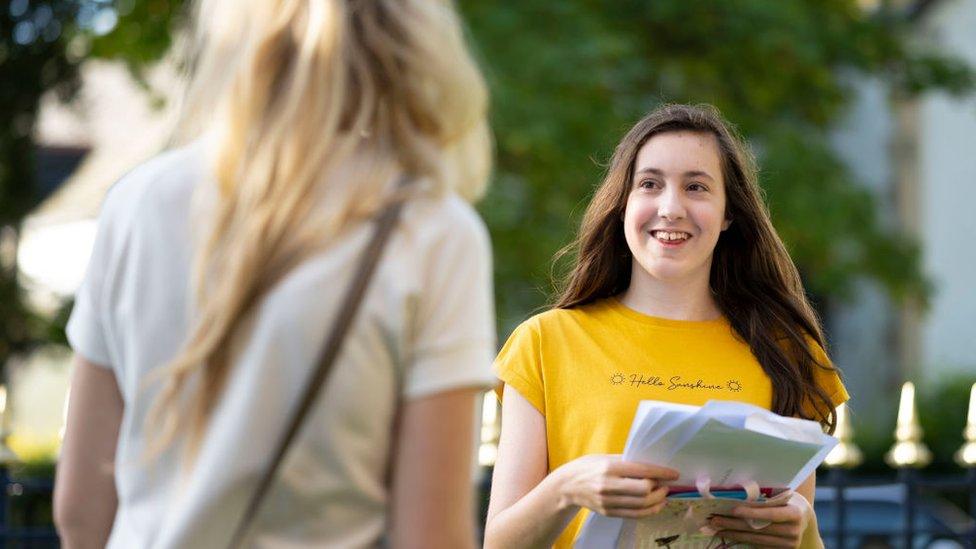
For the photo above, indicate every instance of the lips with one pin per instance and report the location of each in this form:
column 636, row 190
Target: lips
column 671, row 239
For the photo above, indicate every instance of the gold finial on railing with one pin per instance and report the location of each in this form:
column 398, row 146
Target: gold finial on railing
column 908, row 450
column 966, row 456
column 491, row 430
column 7, row 455
column 846, row 454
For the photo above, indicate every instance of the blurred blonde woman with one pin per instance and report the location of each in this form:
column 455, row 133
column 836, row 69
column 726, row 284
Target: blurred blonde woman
column 219, row 266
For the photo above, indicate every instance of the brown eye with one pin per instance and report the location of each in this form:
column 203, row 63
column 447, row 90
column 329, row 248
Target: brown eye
column 697, row 187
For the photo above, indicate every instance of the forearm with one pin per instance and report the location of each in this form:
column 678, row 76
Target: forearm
column 536, row 520
column 811, row 535
column 435, row 538
column 83, row 529
column 449, row 528
column 85, row 499
column 84, row 512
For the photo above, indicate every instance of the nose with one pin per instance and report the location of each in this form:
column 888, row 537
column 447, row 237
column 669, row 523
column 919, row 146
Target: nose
column 671, row 204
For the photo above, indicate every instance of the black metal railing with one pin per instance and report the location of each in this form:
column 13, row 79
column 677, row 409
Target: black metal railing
column 912, row 498
column 917, row 511
column 25, row 511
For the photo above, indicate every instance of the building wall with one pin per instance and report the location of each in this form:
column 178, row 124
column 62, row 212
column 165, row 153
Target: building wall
column 861, row 331
column 919, row 159
column 947, row 201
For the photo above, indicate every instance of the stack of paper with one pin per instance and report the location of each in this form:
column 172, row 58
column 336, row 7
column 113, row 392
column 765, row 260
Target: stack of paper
column 722, row 445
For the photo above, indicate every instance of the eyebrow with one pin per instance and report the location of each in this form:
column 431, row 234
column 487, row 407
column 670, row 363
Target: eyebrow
column 691, row 173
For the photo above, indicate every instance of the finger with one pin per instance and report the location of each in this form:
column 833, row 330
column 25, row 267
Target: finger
column 626, row 502
column 782, row 513
column 637, row 513
column 616, row 486
column 728, row 523
column 658, row 495
column 636, row 502
column 635, row 469
column 754, row 538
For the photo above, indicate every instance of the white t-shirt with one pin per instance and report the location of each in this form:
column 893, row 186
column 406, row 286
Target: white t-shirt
column 426, row 325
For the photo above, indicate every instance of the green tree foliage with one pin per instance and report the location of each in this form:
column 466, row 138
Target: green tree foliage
column 34, row 58
column 568, row 78
column 42, row 44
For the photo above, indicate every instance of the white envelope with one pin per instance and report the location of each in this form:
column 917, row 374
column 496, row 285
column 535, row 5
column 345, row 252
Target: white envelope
column 728, row 443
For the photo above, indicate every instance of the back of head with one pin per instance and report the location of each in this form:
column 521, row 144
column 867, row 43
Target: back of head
column 312, row 108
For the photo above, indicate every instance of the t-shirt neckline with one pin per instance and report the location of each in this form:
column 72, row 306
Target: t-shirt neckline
column 617, row 306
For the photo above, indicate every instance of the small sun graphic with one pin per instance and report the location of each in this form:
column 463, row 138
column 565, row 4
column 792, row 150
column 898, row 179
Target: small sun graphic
column 734, row 386
column 617, row 378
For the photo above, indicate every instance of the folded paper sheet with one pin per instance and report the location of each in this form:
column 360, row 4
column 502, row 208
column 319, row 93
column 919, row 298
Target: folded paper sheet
column 721, row 444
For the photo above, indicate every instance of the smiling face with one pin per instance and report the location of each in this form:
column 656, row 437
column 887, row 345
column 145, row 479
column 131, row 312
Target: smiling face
column 675, row 210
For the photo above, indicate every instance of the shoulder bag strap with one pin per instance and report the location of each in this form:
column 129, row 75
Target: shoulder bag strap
column 385, row 224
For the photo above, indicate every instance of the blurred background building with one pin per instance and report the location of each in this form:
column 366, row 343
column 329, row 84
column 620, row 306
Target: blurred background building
column 861, row 113
column 917, row 156
column 111, row 125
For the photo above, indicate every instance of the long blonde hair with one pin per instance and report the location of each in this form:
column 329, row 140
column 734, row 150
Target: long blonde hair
column 313, row 107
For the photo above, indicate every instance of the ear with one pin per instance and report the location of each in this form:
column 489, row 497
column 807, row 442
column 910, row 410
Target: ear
column 726, row 223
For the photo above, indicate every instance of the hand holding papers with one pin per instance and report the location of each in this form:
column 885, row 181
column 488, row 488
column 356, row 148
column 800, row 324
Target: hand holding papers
column 728, row 454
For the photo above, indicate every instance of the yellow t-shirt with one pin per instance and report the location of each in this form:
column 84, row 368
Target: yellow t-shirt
column 586, row 369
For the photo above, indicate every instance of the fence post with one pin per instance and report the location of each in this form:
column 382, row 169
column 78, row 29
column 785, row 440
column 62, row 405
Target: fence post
column 4, row 519
column 845, row 455
column 908, row 454
column 838, row 477
column 907, row 477
column 966, row 456
column 7, row 457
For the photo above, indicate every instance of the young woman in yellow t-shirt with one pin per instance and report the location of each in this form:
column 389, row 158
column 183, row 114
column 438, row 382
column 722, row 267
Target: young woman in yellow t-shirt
column 681, row 291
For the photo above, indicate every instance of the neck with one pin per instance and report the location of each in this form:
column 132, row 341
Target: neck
column 685, row 299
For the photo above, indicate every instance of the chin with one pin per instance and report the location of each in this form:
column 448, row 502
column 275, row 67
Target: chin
column 668, row 273
column 669, row 276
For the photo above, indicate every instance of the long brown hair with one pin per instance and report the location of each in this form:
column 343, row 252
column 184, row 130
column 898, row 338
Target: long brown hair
column 754, row 282
column 306, row 101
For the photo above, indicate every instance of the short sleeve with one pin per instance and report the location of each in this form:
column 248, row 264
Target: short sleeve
column 86, row 326
column 519, row 364
column 455, row 336
column 829, row 380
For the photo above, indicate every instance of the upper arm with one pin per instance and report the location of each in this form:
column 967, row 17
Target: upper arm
column 452, row 333
column 84, row 492
column 522, row 460
column 452, row 344
column 433, row 488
